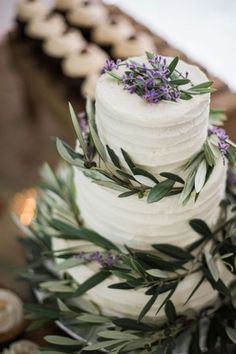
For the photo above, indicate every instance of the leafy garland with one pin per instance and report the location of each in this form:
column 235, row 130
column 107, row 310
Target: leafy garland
column 129, row 180
column 157, row 271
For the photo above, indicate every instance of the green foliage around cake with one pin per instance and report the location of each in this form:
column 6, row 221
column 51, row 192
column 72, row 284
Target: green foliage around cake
column 157, row 271
column 102, row 165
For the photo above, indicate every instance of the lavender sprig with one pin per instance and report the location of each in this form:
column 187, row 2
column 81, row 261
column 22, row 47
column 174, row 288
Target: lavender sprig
column 110, row 65
column 83, row 121
column 156, row 82
column 105, row 260
column 223, row 139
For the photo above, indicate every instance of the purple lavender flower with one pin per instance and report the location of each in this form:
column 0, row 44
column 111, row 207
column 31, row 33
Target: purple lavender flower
column 131, row 88
column 220, row 132
column 223, row 137
column 151, row 82
column 110, row 65
column 105, row 260
column 151, row 96
column 155, row 61
column 83, row 122
column 132, row 65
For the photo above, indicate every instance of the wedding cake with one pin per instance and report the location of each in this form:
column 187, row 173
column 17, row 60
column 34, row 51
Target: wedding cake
column 161, row 135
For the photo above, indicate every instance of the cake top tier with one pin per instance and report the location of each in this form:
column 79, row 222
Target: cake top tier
column 155, row 105
column 157, row 136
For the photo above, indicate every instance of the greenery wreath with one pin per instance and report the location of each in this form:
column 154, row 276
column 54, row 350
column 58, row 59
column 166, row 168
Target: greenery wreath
column 157, row 271
column 103, row 166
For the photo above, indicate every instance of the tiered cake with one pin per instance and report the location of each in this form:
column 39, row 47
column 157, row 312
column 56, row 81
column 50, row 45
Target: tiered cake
column 159, row 137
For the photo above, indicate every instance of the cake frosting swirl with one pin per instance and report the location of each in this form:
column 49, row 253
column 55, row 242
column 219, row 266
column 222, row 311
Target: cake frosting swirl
column 90, row 59
column 110, row 32
column 134, row 45
column 88, row 14
column 27, row 10
column 59, row 46
column 46, row 27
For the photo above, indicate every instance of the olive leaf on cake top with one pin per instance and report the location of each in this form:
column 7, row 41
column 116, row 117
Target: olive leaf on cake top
column 122, row 174
column 157, row 81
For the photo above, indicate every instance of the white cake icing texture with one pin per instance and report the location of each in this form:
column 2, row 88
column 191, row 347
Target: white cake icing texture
column 129, row 303
column 134, row 222
column 159, row 136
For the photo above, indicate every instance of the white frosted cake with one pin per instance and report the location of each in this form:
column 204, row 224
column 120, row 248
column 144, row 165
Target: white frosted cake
column 159, row 137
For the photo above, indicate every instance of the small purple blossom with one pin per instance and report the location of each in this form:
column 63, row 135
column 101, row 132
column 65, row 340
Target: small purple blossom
column 152, row 82
column 151, row 96
column 222, row 136
column 105, row 260
column 131, row 89
column 83, row 122
column 110, row 65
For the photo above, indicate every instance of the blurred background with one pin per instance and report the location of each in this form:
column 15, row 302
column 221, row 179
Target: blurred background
column 52, row 52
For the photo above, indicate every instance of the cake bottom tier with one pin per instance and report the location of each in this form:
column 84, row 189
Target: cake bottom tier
column 129, row 303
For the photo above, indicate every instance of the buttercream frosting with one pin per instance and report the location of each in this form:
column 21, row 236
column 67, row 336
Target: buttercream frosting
column 65, row 44
column 158, row 136
column 42, row 28
column 88, row 61
column 66, row 5
column 27, row 10
column 137, row 44
column 88, row 14
column 110, row 32
column 134, row 222
column 129, row 303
